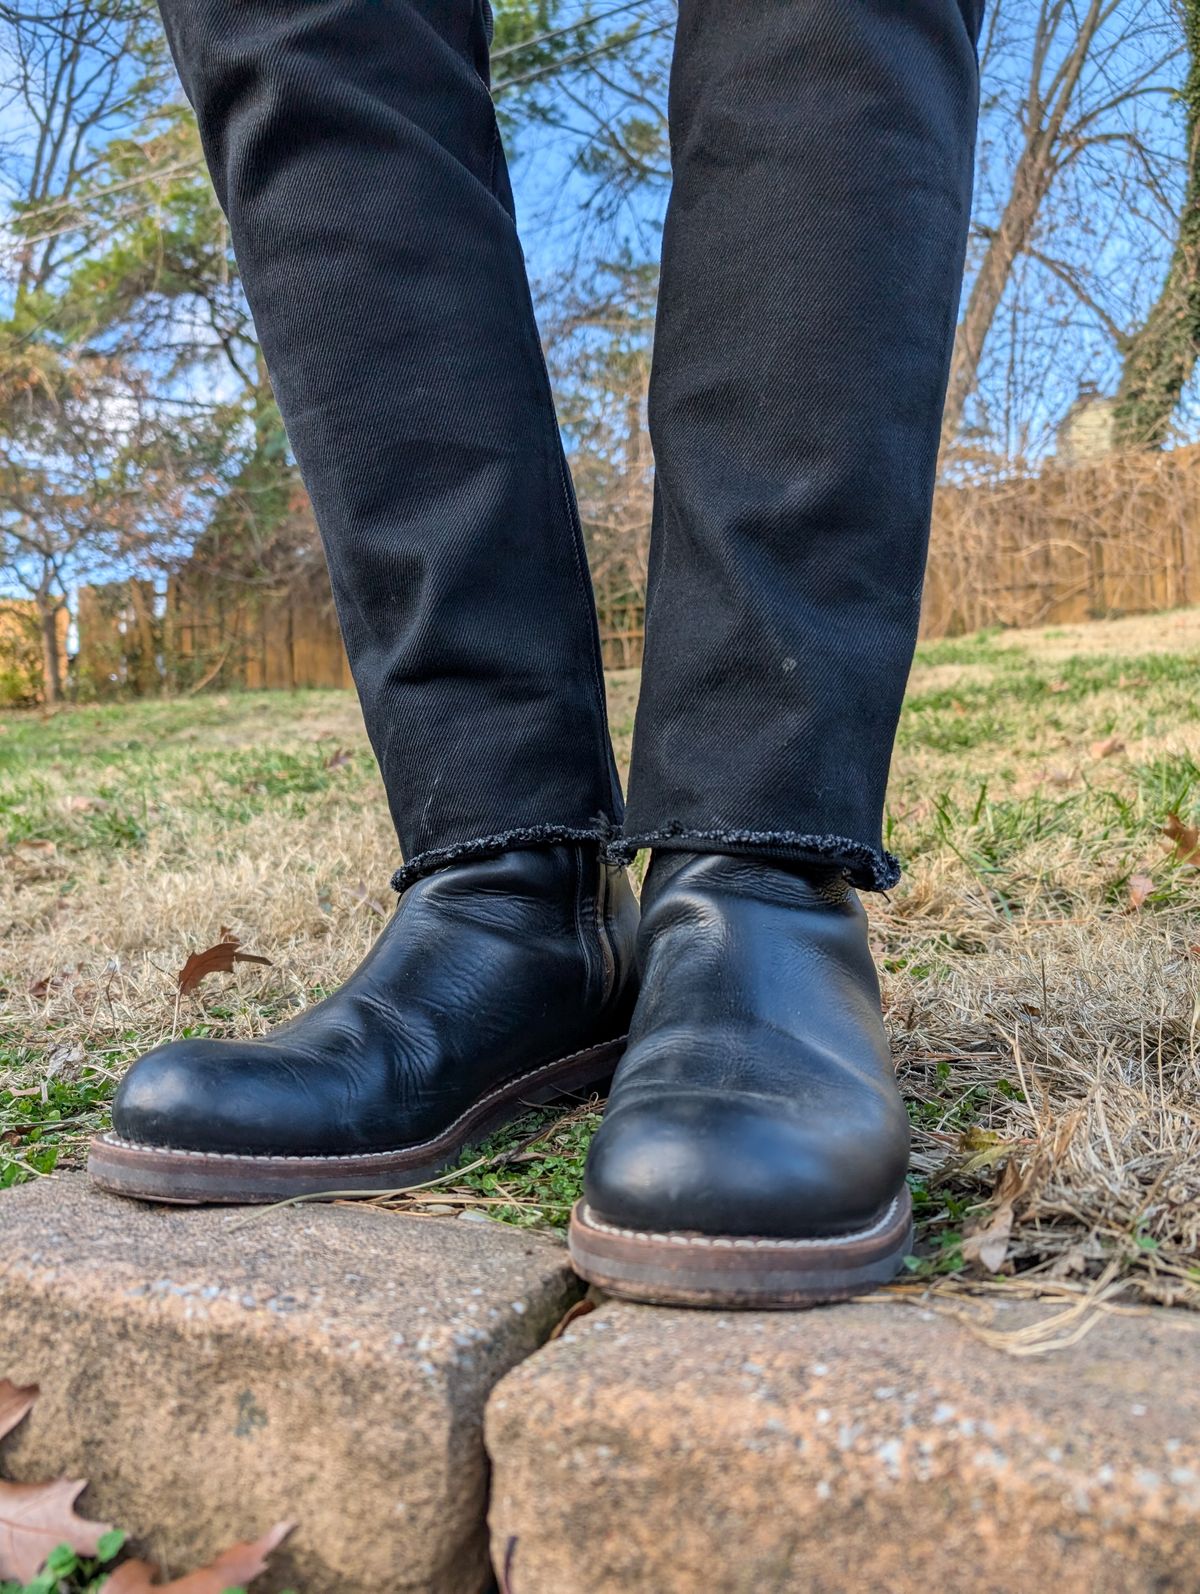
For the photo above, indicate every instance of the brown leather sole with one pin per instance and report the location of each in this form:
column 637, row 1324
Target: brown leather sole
column 733, row 1270
column 192, row 1178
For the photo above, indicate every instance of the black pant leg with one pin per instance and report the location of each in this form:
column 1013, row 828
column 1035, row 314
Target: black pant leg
column 354, row 149
column 812, row 261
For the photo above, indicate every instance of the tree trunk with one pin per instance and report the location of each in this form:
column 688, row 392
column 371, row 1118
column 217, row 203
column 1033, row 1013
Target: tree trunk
column 51, row 658
column 1161, row 355
column 1031, row 183
column 1044, row 118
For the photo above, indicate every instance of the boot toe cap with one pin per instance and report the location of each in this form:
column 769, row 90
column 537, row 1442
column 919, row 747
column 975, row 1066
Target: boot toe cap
column 714, row 1164
column 196, row 1095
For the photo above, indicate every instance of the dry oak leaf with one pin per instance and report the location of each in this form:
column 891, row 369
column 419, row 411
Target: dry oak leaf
column 238, row 1566
column 81, row 804
column 1140, row 887
column 33, row 849
column 218, row 959
column 15, row 1403
column 1106, row 748
column 573, row 1314
column 989, row 1246
column 36, row 1518
column 1186, row 839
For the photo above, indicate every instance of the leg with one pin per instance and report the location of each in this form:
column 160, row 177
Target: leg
column 811, row 270
column 355, row 151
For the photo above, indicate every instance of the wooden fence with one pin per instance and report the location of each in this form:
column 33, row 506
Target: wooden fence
column 1115, row 536
column 283, row 639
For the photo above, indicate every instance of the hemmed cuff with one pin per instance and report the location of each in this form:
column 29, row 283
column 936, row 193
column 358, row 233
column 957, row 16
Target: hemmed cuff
column 426, row 863
column 868, row 868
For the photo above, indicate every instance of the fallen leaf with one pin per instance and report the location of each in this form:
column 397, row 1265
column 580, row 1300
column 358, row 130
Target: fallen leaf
column 65, row 1054
column 988, row 1246
column 983, row 1148
column 1011, row 1184
column 237, row 1567
column 1186, row 839
column 36, row 1518
column 977, row 1138
column 1058, row 686
column 84, row 805
column 580, row 1309
column 218, row 959
column 1140, row 887
column 363, row 895
column 30, row 850
column 339, row 759
column 15, row 1403
column 1106, row 748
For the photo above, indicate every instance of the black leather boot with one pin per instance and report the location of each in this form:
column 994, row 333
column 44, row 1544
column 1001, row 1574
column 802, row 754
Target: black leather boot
column 497, row 983
column 755, row 1145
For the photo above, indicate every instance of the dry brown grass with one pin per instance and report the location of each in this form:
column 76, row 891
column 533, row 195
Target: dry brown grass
column 1044, row 1025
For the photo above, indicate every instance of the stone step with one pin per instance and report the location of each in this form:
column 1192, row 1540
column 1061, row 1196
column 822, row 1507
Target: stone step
column 211, row 1376
column 214, row 1372
column 876, row 1446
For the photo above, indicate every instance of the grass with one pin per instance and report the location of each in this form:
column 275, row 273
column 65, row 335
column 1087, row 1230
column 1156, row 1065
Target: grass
column 66, row 1571
column 1040, row 957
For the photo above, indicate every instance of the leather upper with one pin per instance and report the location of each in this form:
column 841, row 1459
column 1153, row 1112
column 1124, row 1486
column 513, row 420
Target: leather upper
column 486, row 970
column 757, row 1094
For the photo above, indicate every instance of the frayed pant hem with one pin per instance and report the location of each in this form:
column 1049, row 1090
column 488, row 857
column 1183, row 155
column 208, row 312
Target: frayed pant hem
column 426, row 863
column 868, row 868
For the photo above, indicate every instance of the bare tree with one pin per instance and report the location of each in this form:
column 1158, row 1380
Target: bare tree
column 1087, row 65
column 1161, row 355
column 595, row 89
column 598, row 349
column 73, row 75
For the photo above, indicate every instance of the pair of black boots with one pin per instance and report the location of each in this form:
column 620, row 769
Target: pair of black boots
column 755, row 1145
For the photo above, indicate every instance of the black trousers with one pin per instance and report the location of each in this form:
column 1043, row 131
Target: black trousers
column 822, row 154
